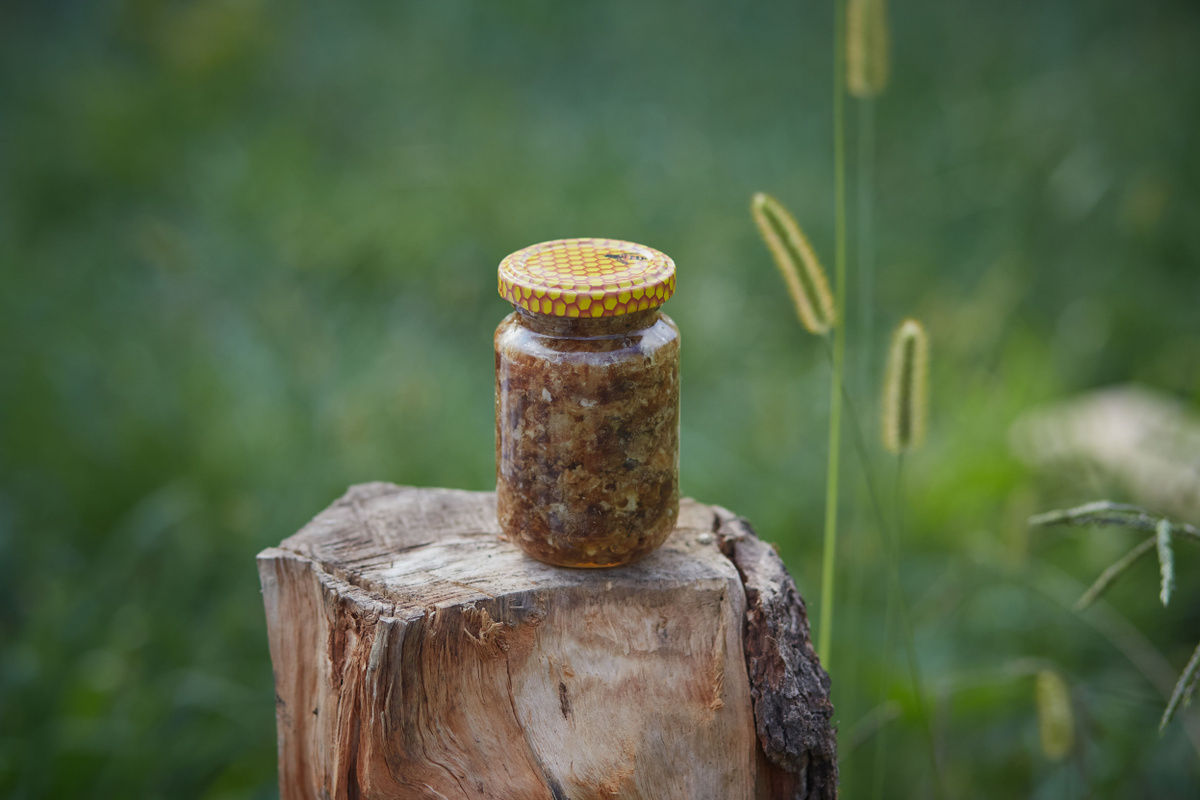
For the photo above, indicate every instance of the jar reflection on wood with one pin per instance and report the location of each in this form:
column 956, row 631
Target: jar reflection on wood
column 587, row 402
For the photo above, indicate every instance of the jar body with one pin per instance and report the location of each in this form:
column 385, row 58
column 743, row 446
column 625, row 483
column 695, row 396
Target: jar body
column 587, row 435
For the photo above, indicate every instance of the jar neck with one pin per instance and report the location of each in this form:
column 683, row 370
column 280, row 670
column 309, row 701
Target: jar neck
column 551, row 325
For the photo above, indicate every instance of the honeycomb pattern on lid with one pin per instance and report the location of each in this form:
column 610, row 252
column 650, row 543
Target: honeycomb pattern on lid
column 587, row 278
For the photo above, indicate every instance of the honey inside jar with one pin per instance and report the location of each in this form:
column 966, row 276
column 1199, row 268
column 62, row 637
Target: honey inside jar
column 587, row 402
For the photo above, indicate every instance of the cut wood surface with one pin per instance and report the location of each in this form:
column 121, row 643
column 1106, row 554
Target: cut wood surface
column 418, row 654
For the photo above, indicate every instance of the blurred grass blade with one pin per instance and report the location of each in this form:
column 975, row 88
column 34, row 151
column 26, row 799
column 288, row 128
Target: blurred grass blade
column 870, row 724
column 1186, row 686
column 905, row 388
column 867, row 47
column 1103, row 512
column 1106, row 512
column 1056, row 722
column 797, row 262
column 1166, row 559
column 1116, row 570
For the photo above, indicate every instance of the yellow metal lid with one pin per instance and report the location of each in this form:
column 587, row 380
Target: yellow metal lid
column 587, row 278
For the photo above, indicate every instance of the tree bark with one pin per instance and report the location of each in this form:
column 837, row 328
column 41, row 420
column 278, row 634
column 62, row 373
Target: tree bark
column 418, row 654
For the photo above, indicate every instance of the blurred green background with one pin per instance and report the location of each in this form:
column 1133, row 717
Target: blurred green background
column 248, row 254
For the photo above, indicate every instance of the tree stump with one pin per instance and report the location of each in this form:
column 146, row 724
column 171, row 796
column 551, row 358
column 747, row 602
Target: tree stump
column 418, row 654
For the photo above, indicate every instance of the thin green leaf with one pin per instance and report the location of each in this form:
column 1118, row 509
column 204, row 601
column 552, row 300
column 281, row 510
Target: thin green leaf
column 1116, row 570
column 1184, row 688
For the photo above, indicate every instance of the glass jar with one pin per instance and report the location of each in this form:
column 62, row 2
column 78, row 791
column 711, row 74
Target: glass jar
column 587, row 402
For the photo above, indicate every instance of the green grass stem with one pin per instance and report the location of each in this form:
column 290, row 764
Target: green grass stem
column 865, row 227
column 1184, row 689
column 1114, row 571
column 891, row 545
column 825, row 629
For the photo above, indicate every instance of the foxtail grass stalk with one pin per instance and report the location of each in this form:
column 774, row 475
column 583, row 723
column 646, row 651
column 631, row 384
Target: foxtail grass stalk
column 890, row 540
column 904, row 410
column 867, row 67
column 905, row 394
column 819, row 313
column 797, row 263
column 867, row 47
column 857, row 44
column 1056, row 722
column 865, row 239
column 825, row 629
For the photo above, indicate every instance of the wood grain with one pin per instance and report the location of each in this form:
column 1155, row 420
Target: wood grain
column 418, row 654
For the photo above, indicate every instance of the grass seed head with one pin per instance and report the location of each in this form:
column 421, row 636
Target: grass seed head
column 867, row 47
column 1166, row 559
column 1056, row 721
column 797, row 262
column 905, row 388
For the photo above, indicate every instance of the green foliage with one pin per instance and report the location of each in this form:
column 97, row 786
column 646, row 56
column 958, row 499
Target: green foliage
column 1123, row 515
column 248, row 256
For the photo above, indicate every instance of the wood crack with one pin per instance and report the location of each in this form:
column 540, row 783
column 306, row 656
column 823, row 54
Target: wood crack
column 431, row 653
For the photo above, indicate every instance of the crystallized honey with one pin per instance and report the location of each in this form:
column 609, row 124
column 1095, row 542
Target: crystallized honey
column 587, row 402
